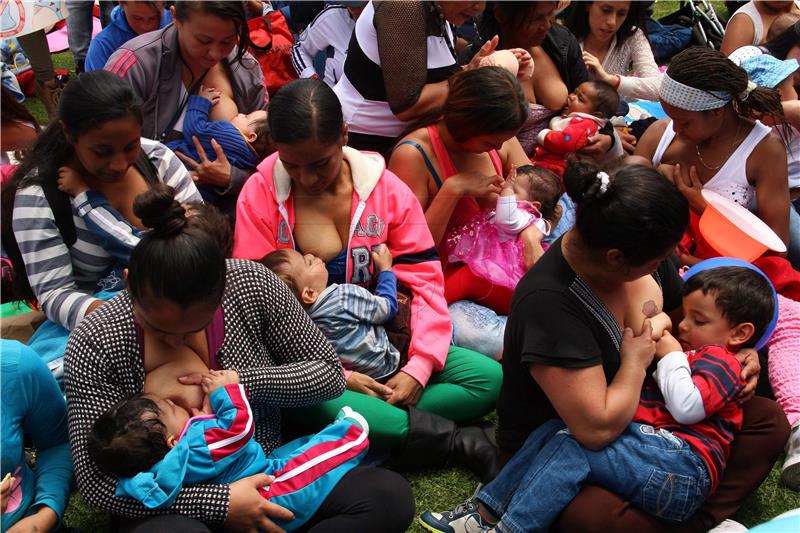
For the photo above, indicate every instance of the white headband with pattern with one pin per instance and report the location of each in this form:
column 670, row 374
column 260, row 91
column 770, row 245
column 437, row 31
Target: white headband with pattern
column 688, row 98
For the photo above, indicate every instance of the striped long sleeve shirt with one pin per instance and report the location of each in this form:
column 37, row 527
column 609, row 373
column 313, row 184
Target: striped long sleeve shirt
column 64, row 278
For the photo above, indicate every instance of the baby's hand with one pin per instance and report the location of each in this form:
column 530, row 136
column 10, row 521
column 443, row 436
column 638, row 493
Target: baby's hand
column 210, row 94
column 508, row 184
column 71, row 182
column 660, row 321
column 667, row 344
column 218, row 378
column 382, row 258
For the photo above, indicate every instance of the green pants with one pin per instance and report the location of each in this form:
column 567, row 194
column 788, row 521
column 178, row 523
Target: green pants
column 466, row 389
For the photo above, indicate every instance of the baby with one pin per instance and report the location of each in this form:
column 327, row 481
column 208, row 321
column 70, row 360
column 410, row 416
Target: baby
column 671, row 457
column 487, row 243
column 585, row 112
column 156, row 447
column 245, row 139
column 350, row 316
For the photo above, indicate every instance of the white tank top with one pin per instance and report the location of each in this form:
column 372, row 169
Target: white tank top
column 730, row 180
column 792, row 156
column 751, row 11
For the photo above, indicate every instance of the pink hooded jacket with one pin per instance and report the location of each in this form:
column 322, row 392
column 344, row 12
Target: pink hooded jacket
column 384, row 210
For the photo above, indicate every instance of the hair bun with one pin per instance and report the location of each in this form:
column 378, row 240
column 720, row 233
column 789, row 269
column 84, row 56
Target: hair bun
column 581, row 181
column 159, row 211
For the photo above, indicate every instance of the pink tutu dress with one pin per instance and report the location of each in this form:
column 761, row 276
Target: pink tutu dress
column 487, row 243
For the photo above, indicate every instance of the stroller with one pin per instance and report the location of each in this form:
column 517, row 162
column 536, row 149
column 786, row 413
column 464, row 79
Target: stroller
column 699, row 15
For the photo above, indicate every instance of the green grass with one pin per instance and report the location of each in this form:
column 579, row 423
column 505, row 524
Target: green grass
column 443, row 489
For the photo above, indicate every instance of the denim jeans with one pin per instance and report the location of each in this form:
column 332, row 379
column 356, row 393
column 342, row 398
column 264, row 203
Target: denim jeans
column 478, row 328
column 79, row 25
column 652, row 469
column 794, row 234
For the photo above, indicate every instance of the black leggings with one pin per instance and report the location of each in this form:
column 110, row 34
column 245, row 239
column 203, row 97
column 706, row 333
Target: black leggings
column 366, row 499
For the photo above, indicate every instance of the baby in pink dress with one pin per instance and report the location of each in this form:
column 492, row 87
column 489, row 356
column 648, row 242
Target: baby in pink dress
column 487, row 243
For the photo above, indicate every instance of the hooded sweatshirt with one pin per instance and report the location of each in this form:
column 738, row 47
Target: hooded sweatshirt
column 383, row 211
column 114, row 36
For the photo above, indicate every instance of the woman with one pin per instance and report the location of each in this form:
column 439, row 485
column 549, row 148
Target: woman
column 317, row 196
column 612, row 39
column 162, row 329
column 205, row 45
column 557, row 57
column 750, row 24
column 464, row 156
column 396, row 70
column 604, row 275
column 32, row 406
column 712, row 136
column 98, row 136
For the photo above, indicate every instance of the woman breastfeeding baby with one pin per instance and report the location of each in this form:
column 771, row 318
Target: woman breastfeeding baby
column 162, row 336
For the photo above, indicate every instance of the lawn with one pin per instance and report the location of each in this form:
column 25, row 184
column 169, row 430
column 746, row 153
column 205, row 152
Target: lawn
column 442, row 489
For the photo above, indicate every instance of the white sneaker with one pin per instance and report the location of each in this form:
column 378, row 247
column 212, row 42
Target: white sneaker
column 728, row 526
column 790, row 473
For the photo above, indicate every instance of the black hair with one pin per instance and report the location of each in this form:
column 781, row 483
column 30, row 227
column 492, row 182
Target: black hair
column 607, row 101
column 210, row 219
column 545, row 188
column 576, row 19
column 305, row 109
column 783, row 43
column 710, row 70
column 517, row 13
column 278, row 262
column 640, row 213
column 263, row 144
column 128, row 438
column 15, row 112
column 87, row 102
column 233, row 11
column 484, row 101
column 741, row 294
column 178, row 259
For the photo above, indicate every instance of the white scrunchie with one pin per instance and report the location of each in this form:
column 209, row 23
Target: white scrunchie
column 605, row 180
column 744, row 95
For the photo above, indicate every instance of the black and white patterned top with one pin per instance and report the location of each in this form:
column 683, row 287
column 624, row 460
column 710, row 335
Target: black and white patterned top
column 282, row 359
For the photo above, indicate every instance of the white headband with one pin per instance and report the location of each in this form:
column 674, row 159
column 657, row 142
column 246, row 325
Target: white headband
column 605, row 180
column 688, row 98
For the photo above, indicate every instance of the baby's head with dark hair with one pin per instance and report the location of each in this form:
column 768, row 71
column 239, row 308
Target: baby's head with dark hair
column 741, row 294
column 279, row 262
column 128, row 438
column 596, row 98
column 543, row 187
column 263, row 144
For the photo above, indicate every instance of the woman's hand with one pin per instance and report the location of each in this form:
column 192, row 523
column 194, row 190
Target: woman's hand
column 43, row 520
column 596, row 148
column 526, row 66
column 358, row 382
column 532, row 250
column 751, row 368
column 597, row 71
column 70, row 182
column 478, row 185
column 486, row 50
column 216, row 173
column 249, row 511
column 689, row 184
column 405, row 389
column 638, row 349
column 628, row 141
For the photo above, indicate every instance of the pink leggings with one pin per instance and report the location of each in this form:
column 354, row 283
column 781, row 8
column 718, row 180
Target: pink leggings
column 784, row 359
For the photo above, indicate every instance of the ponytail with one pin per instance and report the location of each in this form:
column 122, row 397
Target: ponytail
column 632, row 208
column 178, row 260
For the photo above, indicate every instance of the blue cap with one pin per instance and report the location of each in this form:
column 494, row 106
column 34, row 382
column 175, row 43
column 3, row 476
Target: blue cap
column 768, row 71
column 718, row 262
